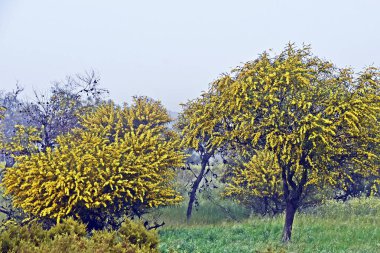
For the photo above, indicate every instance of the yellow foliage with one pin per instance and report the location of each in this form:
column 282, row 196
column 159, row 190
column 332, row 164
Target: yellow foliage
column 321, row 123
column 23, row 142
column 195, row 134
column 118, row 158
column 2, row 110
column 260, row 176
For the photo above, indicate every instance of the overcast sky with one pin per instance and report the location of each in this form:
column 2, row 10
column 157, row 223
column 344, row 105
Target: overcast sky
column 172, row 50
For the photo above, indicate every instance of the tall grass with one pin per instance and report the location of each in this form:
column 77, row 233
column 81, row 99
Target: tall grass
column 353, row 226
column 206, row 213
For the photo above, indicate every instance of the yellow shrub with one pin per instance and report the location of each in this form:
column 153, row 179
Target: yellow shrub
column 119, row 162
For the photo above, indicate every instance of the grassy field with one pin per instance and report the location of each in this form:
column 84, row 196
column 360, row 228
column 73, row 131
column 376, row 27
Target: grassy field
column 353, row 226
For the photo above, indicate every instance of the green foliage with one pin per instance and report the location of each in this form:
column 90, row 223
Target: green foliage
column 71, row 236
column 7, row 211
column 119, row 162
column 352, row 226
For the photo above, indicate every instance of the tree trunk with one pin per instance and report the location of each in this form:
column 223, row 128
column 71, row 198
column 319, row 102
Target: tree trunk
column 290, row 212
column 194, row 189
column 9, row 162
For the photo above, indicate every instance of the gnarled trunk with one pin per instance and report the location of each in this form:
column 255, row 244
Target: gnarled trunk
column 290, row 212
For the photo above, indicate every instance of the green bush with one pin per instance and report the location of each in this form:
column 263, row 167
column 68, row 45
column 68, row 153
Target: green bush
column 71, row 236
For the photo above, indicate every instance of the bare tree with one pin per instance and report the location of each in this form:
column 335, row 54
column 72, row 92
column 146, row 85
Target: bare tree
column 57, row 113
column 52, row 113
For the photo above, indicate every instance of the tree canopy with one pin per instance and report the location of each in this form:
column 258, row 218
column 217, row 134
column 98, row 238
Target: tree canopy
column 317, row 123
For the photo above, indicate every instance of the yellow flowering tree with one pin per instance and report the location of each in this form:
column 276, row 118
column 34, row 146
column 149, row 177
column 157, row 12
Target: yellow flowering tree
column 318, row 124
column 119, row 162
column 196, row 140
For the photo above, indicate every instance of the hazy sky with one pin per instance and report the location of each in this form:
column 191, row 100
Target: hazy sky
column 172, row 50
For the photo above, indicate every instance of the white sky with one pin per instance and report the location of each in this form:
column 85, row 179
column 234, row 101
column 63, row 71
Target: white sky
column 172, row 50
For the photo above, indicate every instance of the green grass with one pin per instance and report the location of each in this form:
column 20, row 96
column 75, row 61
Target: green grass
column 207, row 213
column 353, row 226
